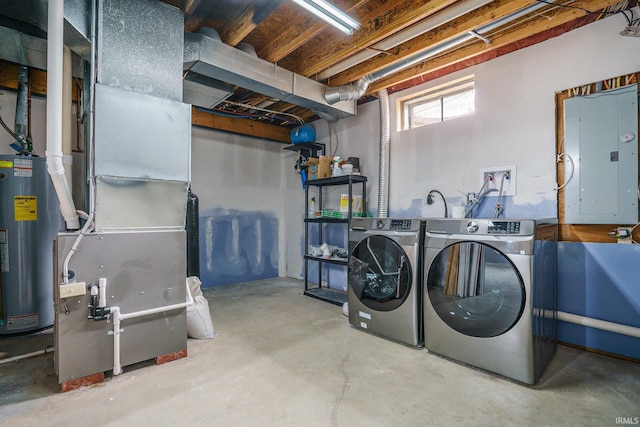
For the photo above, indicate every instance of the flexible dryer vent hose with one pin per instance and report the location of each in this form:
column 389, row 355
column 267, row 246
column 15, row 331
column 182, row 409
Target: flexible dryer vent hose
column 383, row 179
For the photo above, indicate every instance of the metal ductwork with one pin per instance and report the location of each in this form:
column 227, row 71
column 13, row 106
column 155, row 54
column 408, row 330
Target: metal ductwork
column 448, row 14
column 205, row 55
column 23, row 31
column 359, row 88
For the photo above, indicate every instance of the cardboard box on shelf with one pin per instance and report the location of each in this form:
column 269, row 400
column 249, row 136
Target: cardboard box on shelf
column 324, row 167
column 318, row 168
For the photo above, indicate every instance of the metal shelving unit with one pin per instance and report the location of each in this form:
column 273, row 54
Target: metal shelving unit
column 334, row 296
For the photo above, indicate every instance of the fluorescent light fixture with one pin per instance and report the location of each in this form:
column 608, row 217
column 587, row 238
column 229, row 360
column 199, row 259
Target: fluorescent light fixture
column 330, row 14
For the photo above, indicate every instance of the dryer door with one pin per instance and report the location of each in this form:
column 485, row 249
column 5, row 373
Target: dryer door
column 475, row 289
column 380, row 273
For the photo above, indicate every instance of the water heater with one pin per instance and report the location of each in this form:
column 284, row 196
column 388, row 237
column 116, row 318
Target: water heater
column 29, row 221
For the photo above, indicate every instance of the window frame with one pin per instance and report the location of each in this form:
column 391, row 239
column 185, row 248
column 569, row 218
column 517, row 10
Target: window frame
column 407, row 104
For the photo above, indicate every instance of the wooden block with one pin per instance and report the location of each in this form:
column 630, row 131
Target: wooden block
column 171, row 357
column 81, row 382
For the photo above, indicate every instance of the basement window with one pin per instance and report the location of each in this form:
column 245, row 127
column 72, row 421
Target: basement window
column 449, row 101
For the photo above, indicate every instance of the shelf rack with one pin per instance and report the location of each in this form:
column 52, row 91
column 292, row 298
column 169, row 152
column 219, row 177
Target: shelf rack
column 331, row 295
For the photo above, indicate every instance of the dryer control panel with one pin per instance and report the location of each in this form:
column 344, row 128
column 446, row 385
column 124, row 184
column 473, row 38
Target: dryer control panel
column 484, row 226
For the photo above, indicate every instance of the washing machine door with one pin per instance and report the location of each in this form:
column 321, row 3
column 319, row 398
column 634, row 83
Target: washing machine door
column 380, row 273
column 475, row 289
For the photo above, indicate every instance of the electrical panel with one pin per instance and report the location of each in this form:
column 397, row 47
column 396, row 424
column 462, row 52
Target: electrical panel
column 601, row 155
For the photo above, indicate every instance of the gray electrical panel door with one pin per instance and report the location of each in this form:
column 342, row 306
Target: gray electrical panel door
column 600, row 135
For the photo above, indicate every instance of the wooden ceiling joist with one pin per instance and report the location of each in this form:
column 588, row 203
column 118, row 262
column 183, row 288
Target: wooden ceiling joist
column 252, row 128
column 235, row 31
column 462, row 25
column 498, row 40
column 292, row 29
column 379, row 19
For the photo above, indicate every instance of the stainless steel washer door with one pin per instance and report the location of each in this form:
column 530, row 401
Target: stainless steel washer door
column 475, row 289
column 380, row 273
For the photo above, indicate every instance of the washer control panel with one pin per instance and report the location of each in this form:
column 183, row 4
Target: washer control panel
column 503, row 227
column 400, row 224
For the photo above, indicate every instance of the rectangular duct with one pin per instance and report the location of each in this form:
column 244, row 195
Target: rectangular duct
column 23, row 31
column 140, row 47
column 210, row 57
column 141, row 136
column 203, row 91
column 142, row 154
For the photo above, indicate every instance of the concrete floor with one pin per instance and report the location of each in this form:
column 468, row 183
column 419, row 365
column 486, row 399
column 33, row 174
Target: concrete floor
column 284, row 359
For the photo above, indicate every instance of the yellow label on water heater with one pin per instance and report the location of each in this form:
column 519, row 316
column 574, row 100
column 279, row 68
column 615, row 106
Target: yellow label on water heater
column 25, row 208
column 6, row 164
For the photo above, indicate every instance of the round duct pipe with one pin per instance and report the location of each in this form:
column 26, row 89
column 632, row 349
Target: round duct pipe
column 357, row 89
column 247, row 48
column 347, row 92
column 210, row 32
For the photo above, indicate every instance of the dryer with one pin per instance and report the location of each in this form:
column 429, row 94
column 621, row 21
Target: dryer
column 490, row 296
column 385, row 275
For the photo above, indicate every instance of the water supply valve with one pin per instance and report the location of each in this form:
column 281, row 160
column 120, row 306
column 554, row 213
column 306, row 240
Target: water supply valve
column 97, row 305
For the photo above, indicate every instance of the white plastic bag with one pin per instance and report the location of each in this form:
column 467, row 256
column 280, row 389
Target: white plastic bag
column 199, row 324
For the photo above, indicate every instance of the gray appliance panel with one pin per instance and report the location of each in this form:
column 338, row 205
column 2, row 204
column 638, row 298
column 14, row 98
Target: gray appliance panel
column 523, row 352
column 141, row 136
column 143, row 270
column 402, row 324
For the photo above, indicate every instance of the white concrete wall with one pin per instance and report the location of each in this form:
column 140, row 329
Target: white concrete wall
column 514, row 124
column 240, row 185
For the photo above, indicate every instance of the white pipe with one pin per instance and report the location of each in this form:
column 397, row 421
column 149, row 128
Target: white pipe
column 590, row 322
column 49, row 349
column 54, row 155
column 115, row 314
column 118, row 317
column 604, row 325
column 102, row 286
column 67, row 102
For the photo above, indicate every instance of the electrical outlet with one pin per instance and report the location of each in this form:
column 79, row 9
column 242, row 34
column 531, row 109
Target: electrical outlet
column 624, row 235
column 494, row 177
column 73, row 289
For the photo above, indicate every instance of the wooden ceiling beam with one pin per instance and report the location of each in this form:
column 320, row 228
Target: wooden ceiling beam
column 252, row 128
column 293, row 27
column 235, row 31
column 379, row 19
column 498, row 39
column 470, row 21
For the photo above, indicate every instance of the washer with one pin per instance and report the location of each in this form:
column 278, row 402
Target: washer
column 490, row 295
column 385, row 274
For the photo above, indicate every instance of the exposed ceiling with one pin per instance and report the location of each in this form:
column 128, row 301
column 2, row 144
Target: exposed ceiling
column 391, row 32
